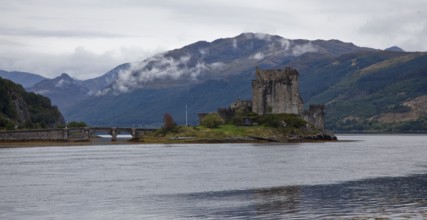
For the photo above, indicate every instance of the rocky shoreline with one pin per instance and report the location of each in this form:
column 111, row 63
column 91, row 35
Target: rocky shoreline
column 321, row 137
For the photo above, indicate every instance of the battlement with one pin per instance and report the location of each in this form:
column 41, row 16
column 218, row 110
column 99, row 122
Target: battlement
column 286, row 74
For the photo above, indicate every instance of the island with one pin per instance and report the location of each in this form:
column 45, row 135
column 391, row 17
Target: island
column 275, row 114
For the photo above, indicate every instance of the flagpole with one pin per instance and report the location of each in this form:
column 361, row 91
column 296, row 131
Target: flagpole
column 186, row 116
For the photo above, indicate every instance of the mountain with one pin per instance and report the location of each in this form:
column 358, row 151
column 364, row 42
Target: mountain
column 364, row 89
column 383, row 91
column 21, row 109
column 63, row 90
column 99, row 83
column 203, row 76
column 395, row 49
column 25, row 79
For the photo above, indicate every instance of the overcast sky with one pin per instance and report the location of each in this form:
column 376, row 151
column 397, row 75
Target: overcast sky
column 86, row 38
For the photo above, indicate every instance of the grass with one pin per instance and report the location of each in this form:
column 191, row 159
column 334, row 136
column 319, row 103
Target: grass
column 224, row 133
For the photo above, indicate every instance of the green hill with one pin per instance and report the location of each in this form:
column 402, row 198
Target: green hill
column 20, row 109
column 373, row 91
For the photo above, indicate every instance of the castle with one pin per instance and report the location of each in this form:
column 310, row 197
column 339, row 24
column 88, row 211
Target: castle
column 276, row 91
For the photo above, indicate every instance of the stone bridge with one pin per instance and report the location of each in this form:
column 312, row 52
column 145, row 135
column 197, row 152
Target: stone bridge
column 71, row 134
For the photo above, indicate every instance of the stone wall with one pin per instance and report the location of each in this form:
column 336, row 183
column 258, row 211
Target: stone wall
column 35, row 135
column 245, row 105
column 69, row 134
column 315, row 115
column 276, row 91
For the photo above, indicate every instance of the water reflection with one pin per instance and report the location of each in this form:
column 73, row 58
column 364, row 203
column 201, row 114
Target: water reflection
column 285, row 199
column 396, row 198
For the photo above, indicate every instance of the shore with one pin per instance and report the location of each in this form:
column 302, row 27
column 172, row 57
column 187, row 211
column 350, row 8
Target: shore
column 93, row 141
column 125, row 141
column 196, row 135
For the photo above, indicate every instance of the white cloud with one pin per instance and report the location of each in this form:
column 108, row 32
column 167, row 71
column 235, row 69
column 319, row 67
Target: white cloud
column 60, row 83
column 299, row 50
column 285, row 44
column 258, row 56
column 161, row 67
column 45, row 33
column 234, row 43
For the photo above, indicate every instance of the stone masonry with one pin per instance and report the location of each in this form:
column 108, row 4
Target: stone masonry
column 276, row 91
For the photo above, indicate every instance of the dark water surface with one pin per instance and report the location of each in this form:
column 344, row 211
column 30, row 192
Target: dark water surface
column 376, row 176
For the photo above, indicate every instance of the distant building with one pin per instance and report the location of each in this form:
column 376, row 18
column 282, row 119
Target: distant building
column 275, row 91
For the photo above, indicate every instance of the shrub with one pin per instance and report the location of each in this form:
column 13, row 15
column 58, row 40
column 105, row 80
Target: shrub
column 6, row 124
column 281, row 120
column 212, row 121
column 77, row 124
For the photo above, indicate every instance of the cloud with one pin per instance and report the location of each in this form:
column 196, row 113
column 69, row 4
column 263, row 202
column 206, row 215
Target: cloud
column 161, row 68
column 46, row 31
column 36, row 32
column 406, row 30
column 299, row 50
column 234, row 44
column 260, row 36
column 80, row 63
column 258, row 56
column 61, row 83
column 285, row 43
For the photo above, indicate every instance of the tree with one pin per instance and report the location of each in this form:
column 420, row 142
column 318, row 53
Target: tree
column 77, row 124
column 168, row 122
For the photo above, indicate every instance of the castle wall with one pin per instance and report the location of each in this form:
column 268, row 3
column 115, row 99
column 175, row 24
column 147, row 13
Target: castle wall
column 315, row 115
column 226, row 113
column 276, row 91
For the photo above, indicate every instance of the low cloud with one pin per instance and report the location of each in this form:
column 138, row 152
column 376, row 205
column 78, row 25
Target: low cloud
column 161, row 67
column 285, row 43
column 299, row 50
column 258, row 56
column 260, row 36
column 60, row 83
column 234, row 44
column 282, row 46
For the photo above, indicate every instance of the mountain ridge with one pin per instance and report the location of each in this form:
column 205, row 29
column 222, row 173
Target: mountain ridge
column 26, row 79
column 207, row 75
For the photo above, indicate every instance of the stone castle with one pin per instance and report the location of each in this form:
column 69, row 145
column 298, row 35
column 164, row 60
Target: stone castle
column 276, row 91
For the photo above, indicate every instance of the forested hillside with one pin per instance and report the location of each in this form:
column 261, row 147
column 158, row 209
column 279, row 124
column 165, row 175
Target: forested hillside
column 20, row 109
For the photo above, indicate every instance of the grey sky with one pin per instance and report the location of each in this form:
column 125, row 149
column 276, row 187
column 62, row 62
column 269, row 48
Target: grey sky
column 86, row 38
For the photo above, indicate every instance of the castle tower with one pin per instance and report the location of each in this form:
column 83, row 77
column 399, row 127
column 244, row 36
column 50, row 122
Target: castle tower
column 315, row 115
column 276, row 91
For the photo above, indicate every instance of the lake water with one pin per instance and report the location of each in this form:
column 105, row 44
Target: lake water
column 373, row 176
